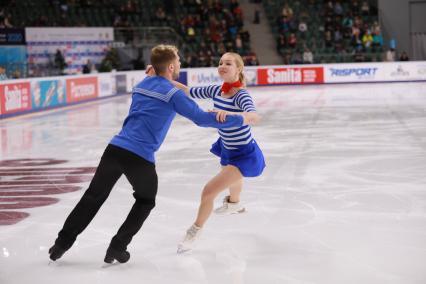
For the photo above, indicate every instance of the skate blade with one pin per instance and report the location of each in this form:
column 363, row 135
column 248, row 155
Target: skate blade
column 242, row 210
column 108, row 265
column 183, row 251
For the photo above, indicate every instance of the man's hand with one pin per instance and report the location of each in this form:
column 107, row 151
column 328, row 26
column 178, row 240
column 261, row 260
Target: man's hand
column 249, row 117
column 149, row 71
column 221, row 115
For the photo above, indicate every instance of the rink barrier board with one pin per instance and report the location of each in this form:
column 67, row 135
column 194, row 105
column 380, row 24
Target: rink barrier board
column 23, row 96
column 59, row 107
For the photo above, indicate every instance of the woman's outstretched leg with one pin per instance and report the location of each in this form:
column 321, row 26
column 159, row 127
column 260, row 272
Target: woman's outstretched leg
column 228, row 176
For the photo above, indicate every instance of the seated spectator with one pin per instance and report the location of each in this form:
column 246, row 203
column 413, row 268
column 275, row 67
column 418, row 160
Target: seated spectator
column 338, row 9
column 5, row 20
column 296, row 58
column 390, row 55
column 404, row 56
column 355, row 7
column 292, row 41
column 328, row 39
column 347, row 21
column 86, row 68
column 375, row 29
column 239, row 44
column 356, row 32
column 337, row 36
column 287, row 11
column 3, row 75
column 367, row 39
column 160, row 14
column 365, row 8
column 89, row 67
column 282, row 42
column 252, row 60
column 377, row 40
column 16, row 74
column 60, row 63
column 190, row 34
column 356, row 43
column 392, row 43
column 308, row 57
column 329, row 9
column 329, row 23
column 303, row 28
column 283, row 24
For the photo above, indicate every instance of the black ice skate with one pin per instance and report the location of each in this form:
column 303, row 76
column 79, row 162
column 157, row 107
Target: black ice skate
column 120, row 256
column 56, row 252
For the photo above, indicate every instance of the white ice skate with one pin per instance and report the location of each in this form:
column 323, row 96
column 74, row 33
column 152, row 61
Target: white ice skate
column 192, row 234
column 230, row 207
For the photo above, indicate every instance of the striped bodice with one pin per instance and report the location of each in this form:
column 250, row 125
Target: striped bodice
column 240, row 102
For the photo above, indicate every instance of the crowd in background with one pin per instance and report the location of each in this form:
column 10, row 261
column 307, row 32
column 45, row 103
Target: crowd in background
column 311, row 31
column 212, row 29
column 307, row 31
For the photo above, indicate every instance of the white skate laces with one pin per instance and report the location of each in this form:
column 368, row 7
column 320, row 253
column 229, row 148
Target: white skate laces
column 230, row 207
column 192, row 234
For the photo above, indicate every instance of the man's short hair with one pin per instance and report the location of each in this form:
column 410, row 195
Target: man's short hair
column 161, row 56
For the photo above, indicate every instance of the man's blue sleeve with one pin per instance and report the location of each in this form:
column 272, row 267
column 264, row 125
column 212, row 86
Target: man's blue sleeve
column 189, row 109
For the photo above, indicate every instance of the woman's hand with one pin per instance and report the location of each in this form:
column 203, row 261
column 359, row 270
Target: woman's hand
column 220, row 115
column 251, row 118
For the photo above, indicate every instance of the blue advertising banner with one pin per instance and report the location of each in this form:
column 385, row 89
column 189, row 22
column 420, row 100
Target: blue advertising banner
column 12, row 36
column 183, row 77
column 48, row 93
column 14, row 60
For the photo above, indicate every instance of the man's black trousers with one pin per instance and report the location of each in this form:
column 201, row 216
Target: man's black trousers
column 114, row 162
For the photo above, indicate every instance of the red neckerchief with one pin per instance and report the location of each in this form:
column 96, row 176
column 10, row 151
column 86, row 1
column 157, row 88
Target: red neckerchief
column 226, row 87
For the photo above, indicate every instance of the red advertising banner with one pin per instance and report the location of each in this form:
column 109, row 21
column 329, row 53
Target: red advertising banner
column 290, row 75
column 81, row 89
column 15, row 98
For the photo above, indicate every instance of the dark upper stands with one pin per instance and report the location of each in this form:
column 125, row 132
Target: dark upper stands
column 209, row 29
column 305, row 30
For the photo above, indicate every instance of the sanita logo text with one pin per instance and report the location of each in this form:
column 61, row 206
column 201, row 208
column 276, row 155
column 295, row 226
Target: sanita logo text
column 360, row 72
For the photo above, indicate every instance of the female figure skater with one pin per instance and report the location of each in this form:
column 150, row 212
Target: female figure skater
column 239, row 153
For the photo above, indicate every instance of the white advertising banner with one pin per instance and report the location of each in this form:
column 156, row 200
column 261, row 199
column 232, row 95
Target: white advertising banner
column 406, row 71
column 77, row 45
column 107, row 84
column 251, row 76
column 356, row 72
column 133, row 78
column 68, row 34
column 198, row 77
column 375, row 72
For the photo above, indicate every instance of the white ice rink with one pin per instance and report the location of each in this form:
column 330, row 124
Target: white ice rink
column 342, row 200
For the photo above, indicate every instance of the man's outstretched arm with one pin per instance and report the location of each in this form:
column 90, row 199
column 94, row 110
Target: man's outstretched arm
column 189, row 109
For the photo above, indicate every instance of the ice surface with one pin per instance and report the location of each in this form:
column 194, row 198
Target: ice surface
column 342, row 200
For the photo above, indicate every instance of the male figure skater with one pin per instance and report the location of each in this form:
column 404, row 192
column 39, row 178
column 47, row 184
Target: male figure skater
column 155, row 102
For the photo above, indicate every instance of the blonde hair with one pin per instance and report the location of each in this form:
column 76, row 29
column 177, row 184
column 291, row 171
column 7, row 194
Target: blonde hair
column 161, row 56
column 240, row 65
